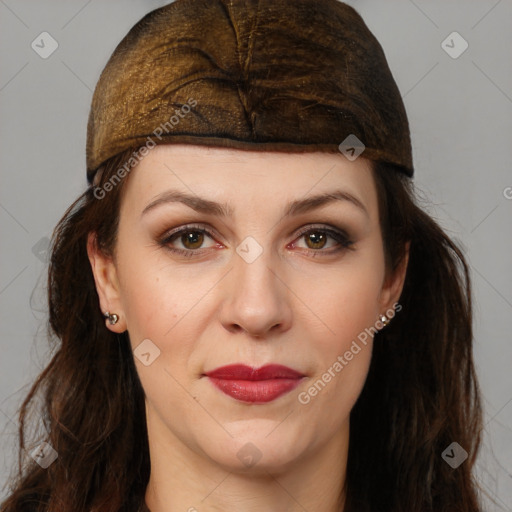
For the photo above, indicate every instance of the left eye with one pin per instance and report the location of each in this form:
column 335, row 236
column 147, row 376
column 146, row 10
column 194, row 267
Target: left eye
column 317, row 238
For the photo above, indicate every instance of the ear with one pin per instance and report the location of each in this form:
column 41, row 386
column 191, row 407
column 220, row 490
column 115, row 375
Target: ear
column 394, row 283
column 107, row 284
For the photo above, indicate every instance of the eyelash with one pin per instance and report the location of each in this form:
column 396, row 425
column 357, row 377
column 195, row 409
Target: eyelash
column 344, row 241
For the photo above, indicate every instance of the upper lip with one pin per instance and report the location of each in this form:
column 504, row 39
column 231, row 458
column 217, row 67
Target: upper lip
column 244, row 372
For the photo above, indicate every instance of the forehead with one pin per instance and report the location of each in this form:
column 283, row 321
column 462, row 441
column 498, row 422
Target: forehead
column 234, row 175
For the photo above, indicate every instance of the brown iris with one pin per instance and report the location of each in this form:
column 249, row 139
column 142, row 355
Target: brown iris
column 194, row 238
column 318, row 239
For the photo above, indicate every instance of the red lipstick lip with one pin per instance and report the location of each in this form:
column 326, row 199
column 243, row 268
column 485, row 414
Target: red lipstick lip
column 244, row 372
column 255, row 385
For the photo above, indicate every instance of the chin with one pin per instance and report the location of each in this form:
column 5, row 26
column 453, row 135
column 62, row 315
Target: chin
column 254, row 451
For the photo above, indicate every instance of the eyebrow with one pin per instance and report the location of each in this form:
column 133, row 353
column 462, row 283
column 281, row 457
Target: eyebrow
column 209, row 207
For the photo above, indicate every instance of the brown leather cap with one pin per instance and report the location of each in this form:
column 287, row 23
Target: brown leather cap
column 271, row 75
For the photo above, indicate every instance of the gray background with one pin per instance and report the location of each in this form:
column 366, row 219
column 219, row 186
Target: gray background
column 460, row 112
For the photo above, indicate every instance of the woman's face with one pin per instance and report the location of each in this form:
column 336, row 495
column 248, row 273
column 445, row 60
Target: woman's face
column 289, row 271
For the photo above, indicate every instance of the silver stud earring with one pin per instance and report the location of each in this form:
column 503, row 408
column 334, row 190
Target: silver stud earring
column 384, row 320
column 112, row 318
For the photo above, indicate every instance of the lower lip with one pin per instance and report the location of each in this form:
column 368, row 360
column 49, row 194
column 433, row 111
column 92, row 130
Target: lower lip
column 255, row 391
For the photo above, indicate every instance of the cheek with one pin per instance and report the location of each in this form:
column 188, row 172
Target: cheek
column 162, row 302
column 159, row 304
column 347, row 303
column 342, row 358
column 344, row 350
column 151, row 306
column 347, row 300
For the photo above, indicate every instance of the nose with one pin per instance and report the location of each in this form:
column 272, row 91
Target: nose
column 257, row 297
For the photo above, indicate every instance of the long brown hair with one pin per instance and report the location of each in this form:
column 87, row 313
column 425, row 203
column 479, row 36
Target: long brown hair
column 421, row 393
